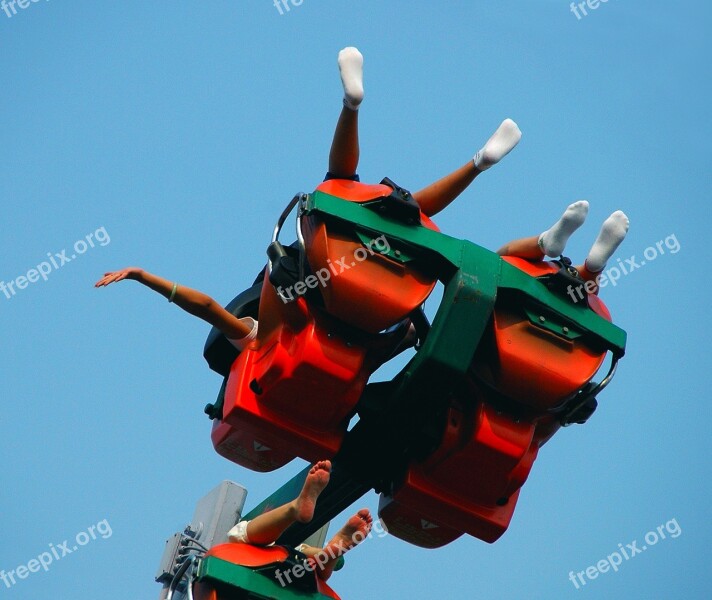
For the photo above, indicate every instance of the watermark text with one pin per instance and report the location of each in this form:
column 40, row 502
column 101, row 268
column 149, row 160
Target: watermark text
column 286, row 5
column 56, row 552
column 9, row 6
column 614, row 560
column 336, row 268
column 319, row 560
column 55, row 261
column 581, row 6
column 613, row 274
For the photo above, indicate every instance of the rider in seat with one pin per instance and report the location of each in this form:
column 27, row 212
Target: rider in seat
column 264, row 529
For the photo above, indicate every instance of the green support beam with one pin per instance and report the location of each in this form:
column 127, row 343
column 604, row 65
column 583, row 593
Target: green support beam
column 387, row 438
column 442, row 253
column 242, row 580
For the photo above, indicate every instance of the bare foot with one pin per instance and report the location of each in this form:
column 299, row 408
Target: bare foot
column 316, row 481
column 351, row 534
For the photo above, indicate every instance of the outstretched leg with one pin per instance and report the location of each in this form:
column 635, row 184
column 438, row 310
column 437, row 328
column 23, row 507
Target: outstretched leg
column 613, row 232
column 267, row 527
column 553, row 241
column 350, row 535
column 438, row 195
column 344, row 154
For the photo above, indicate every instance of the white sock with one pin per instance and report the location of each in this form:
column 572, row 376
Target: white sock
column 553, row 241
column 613, row 232
column 351, row 69
column 499, row 145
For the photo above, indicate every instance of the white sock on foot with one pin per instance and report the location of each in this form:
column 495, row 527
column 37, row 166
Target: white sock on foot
column 499, row 145
column 553, row 241
column 351, row 69
column 613, row 232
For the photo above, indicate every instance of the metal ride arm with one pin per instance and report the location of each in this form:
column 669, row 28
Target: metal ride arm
column 443, row 252
column 382, row 443
column 379, row 446
column 401, row 421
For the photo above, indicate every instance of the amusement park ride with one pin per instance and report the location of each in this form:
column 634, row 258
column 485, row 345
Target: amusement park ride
column 508, row 359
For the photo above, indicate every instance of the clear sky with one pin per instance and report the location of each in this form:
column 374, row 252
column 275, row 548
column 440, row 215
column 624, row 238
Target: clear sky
column 175, row 132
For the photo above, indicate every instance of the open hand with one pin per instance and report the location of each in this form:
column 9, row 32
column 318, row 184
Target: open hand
column 113, row 276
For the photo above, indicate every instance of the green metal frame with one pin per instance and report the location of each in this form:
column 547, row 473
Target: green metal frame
column 473, row 277
column 243, row 579
column 478, row 265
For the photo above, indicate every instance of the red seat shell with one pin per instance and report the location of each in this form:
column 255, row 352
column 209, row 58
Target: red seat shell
column 371, row 291
column 470, row 484
column 290, row 395
column 250, row 556
column 531, row 364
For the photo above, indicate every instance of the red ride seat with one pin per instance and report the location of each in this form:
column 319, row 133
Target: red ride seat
column 471, row 483
column 531, row 358
column 247, row 555
column 371, row 291
column 293, row 394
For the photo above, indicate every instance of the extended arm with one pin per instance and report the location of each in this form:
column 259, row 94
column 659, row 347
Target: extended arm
column 190, row 300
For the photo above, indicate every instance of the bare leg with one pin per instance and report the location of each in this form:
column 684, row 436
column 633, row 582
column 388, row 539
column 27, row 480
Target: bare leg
column 344, row 155
column 587, row 275
column 553, row 241
column 351, row 534
column 523, row 248
column 267, row 527
column 438, row 195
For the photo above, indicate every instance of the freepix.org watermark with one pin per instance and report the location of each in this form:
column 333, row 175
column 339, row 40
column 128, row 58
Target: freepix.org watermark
column 56, row 552
column 284, row 5
column 613, row 274
column 336, row 268
column 56, row 260
column 9, row 6
column 322, row 557
column 581, row 6
column 615, row 559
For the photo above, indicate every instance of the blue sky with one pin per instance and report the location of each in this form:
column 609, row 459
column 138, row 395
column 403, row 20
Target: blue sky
column 175, row 133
